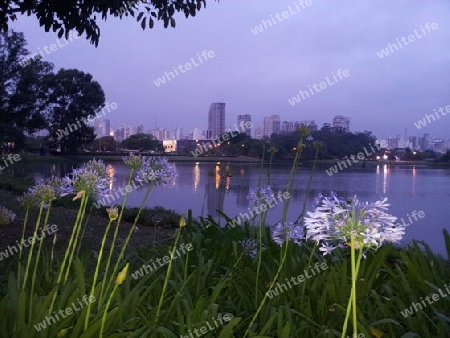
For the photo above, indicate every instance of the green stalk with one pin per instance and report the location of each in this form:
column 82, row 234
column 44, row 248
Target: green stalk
column 30, row 253
column 313, row 251
column 99, row 259
column 63, row 264
column 292, row 176
column 169, row 268
column 285, row 209
column 354, row 276
column 105, row 313
column 352, row 299
column 84, row 229
column 259, row 259
column 308, row 189
column 272, row 153
column 262, row 164
column 124, row 246
column 84, row 202
column 36, row 263
column 116, row 231
column 21, row 241
column 267, row 292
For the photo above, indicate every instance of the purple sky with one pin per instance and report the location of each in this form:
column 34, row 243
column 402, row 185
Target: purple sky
column 257, row 74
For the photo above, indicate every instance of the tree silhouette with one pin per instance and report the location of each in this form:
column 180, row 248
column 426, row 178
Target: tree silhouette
column 82, row 16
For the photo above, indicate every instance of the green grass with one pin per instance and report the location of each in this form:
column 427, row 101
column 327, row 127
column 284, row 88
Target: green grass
column 213, row 279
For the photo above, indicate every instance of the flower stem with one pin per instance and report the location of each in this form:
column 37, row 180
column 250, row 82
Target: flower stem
column 20, row 246
column 99, row 259
column 352, row 300
column 36, row 263
column 116, row 231
column 30, row 253
column 267, row 292
column 63, row 264
column 169, row 268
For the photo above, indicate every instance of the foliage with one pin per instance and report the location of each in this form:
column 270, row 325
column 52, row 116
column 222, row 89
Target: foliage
column 337, row 143
column 83, row 16
column 16, row 184
column 136, row 297
column 21, row 89
column 141, row 142
column 74, row 98
column 211, row 279
column 156, row 216
column 105, row 143
column 445, row 157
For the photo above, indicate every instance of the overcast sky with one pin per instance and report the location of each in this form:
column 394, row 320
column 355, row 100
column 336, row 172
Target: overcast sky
column 258, row 74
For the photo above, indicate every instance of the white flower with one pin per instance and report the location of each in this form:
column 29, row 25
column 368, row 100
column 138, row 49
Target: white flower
column 157, row 169
column 368, row 224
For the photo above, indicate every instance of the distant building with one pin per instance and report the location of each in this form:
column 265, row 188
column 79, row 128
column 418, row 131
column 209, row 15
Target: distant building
column 127, row 131
column 413, row 143
column 258, row 133
column 394, row 142
column 161, row 134
column 197, row 134
column 178, row 134
column 425, row 142
column 271, row 125
column 216, row 120
column 140, row 129
column 103, row 128
column 294, row 126
column 342, row 122
column 119, row 135
column 241, row 123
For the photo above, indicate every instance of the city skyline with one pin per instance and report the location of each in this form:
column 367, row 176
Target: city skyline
column 271, row 124
column 257, row 74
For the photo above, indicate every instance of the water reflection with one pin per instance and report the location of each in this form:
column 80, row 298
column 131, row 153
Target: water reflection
column 207, row 187
column 386, row 170
column 110, row 171
column 196, row 176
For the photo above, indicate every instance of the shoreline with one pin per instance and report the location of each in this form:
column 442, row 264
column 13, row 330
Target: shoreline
column 29, row 158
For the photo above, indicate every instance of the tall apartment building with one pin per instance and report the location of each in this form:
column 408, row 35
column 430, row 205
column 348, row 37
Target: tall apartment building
column 293, row 126
column 178, row 134
column 259, row 133
column 161, row 134
column 343, row 122
column 241, row 120
column 140, row 129
column 271, row 125
column 216, row 120
column 103, row 128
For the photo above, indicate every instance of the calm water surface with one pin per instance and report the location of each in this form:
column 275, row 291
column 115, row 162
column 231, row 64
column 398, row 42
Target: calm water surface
column 204, row 188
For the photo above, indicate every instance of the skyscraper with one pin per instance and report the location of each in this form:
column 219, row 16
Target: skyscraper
column 216, row 120
column 241, row 123
column 103, row 128
column 271, row 125
column 343, row 122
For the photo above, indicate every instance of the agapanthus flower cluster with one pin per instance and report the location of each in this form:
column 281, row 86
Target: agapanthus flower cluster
column 156, row 169
column 287, row 231
column 43, row 192
column 335, row 222
column 6, row 216
column 261, row 194
column 250, row 247
column 90, row 178
column 133, row 162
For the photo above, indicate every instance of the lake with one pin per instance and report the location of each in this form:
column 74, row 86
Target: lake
column 204, row 188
